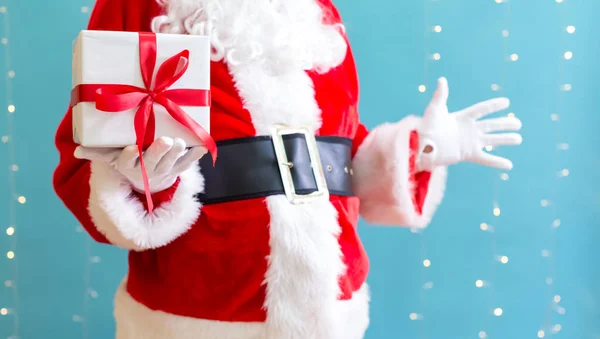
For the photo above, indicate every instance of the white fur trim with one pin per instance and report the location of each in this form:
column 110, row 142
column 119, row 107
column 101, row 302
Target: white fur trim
column 136, row 321
column 304, row 267
column 354, row 314
column 305, row 259
column 125, row 222
column 382, row 178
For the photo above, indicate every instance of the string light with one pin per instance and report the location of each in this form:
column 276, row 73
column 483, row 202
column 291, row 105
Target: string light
column 497, row 179
column 415, row 316
column 548, row 326
column 568, row 55
column 9, row 141
column 496, row 211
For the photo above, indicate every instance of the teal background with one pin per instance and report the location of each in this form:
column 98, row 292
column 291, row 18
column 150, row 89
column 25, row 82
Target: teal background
column 63, row 283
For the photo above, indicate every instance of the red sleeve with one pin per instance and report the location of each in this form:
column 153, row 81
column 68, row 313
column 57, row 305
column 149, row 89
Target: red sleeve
column 71, row 177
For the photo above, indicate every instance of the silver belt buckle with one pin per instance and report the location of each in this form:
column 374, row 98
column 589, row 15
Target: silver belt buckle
column 322, row 192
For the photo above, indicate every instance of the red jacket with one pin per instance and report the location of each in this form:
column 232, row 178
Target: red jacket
column 227, row 263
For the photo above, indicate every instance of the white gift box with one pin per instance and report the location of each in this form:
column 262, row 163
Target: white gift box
column 105, row 57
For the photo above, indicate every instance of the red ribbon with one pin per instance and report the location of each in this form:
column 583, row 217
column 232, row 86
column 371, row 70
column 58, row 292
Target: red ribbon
column 119, row 98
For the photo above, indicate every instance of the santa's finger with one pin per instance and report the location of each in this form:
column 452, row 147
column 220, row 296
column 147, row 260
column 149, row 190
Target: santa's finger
column 107, row 155
column 157, row 151
column 170, row 158
column 491, row 160
column 193, row 155
column 499, row 124
column 484, row 108
column 128, row 158
column 505, row 139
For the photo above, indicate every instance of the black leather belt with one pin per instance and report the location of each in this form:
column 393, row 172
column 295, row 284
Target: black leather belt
column 249, row 168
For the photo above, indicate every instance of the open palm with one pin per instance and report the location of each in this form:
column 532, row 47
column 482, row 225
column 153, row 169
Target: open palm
column 448, row 138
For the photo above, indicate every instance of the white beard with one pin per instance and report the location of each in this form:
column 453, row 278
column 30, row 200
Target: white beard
column 283, row 35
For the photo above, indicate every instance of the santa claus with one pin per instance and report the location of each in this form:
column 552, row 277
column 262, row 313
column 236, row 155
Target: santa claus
column 264, row 244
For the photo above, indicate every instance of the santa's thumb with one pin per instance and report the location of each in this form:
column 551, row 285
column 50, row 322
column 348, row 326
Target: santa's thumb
column 439, row 100
column 440, row 97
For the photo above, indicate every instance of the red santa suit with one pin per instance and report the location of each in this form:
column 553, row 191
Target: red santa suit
column 263, row 267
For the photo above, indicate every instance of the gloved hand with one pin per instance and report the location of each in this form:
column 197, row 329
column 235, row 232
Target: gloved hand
column 448, row 138
column 165, row 160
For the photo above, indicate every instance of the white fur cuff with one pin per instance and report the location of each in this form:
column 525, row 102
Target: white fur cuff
column 125, row 222
column 384, row 179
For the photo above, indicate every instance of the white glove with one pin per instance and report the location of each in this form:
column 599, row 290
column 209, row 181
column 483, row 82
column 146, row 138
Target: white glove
column 448, row 138
column 165, row 160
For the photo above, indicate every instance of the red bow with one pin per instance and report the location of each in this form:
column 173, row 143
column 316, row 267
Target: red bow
column 119, row 98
